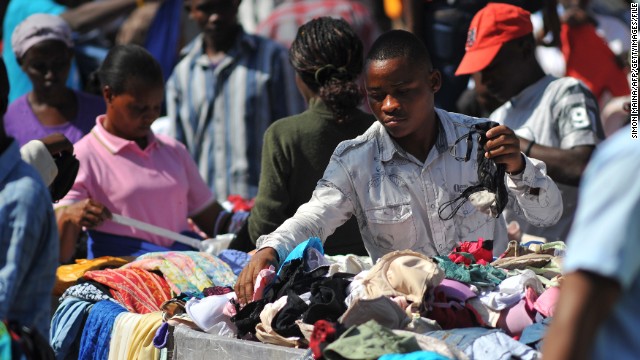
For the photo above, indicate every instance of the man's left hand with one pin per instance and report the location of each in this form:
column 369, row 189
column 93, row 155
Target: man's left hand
column 503, row 147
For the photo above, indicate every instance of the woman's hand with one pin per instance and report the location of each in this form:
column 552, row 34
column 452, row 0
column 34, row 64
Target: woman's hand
column 87, row 213
column 503, row 146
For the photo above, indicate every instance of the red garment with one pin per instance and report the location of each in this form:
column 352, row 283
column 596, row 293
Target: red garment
column 138, row 290
column 481, row 255
column 451, row 314
column 590, row 60
column 324, row 333
column 240, row 203
column 284, row 21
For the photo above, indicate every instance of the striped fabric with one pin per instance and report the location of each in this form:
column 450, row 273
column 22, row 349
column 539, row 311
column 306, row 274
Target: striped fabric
column 221, row 111
column 283, row 22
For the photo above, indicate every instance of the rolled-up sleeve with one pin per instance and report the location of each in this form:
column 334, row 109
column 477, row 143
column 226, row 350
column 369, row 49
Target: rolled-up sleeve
column 536, row 195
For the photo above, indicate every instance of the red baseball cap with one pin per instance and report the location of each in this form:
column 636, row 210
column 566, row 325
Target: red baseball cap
column 491, row 27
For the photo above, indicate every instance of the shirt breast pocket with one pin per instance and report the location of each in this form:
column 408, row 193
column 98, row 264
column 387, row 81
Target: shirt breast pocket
column 392, row 226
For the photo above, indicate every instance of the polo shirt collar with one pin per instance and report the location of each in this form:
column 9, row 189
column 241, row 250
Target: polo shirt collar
column 446, row 138
column 115, row 144
column 8, row 160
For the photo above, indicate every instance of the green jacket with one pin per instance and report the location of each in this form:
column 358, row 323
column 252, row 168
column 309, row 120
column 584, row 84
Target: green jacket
column 295, row 153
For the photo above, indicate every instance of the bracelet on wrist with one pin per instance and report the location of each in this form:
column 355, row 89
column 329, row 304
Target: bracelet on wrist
column 527, row 150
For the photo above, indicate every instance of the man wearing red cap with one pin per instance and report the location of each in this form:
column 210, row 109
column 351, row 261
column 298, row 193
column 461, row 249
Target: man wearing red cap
column 556, row 119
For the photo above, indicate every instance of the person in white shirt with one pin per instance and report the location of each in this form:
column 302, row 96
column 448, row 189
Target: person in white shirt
column 396, row 177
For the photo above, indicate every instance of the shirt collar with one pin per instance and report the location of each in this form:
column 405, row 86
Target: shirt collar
column 8, row 160
column 115, row 144
column 446, row 138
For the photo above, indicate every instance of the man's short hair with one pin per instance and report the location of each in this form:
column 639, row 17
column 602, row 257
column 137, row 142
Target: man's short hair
column 400, row 44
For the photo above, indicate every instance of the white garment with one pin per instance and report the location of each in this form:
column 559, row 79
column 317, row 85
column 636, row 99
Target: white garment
column 208, row 312
column 35, row 153
column 510, row 291
column 559, row 113
column 351, row 264
column 395, row 197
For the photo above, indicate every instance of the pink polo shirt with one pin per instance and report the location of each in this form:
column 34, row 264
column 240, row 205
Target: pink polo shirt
column 159, row 185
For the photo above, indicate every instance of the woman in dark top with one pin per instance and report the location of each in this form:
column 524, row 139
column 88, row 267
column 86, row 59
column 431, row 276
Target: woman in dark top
column 327, row 56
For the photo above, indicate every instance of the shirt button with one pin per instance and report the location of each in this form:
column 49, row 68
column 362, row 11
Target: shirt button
column 433, row 206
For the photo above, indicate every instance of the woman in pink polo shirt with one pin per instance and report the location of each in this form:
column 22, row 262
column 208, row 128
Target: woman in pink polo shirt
column 126, row 169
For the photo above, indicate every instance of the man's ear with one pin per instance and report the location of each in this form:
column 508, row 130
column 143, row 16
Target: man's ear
column 435, row 80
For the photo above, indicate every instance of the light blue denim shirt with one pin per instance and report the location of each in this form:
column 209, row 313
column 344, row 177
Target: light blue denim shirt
column 395, row 197
column 29, row 245
column 605, row 239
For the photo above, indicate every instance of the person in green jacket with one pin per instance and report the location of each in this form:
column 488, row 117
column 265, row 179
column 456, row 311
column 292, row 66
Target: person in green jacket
column 327, row 56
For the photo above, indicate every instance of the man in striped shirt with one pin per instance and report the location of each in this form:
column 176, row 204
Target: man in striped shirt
column 225, row 92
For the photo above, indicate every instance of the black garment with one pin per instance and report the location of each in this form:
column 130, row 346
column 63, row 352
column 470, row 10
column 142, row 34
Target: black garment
column 292, row 278
column 327, row 300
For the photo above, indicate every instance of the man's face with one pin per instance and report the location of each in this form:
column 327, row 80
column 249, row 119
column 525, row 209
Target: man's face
column 500, row 76
column 216, row 18
column 400, row 94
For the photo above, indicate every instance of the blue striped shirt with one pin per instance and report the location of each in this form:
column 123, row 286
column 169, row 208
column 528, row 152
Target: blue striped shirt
column 221, row 111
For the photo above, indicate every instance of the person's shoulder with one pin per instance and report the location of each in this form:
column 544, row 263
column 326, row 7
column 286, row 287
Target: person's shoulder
column 361, row 144
column 562, row 86
column 291, row 129
column 188, row 52
column 166, row 140
column 87, row 147
column 20, row 104
column 25, row 186
column 458, row 123
column 620, row 144
column 172, row 144
column 263, row 46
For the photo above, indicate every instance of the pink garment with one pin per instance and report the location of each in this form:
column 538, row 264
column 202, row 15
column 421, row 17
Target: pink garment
column 159, row 185
column 514, row 319
column 546, row 303
column 264, row 278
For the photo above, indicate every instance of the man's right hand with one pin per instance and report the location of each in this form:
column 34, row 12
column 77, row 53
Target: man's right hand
column 262, row 259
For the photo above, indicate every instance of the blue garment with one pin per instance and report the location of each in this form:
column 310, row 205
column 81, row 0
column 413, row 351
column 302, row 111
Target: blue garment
column 236, row 259
column 221, row 111
column 66, row 327
column 162, row 37
column 533, row 334
column 96, row 336
column 299, row 251
column 416, row 355
column 103, row 244
column 604, row 239
column 5, row 342
column 18, row 11
column 485, row 344
column 29, row 244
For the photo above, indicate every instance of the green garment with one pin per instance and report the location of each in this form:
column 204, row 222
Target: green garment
column 295, row 153
column 474, row 274
column 369, row 341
